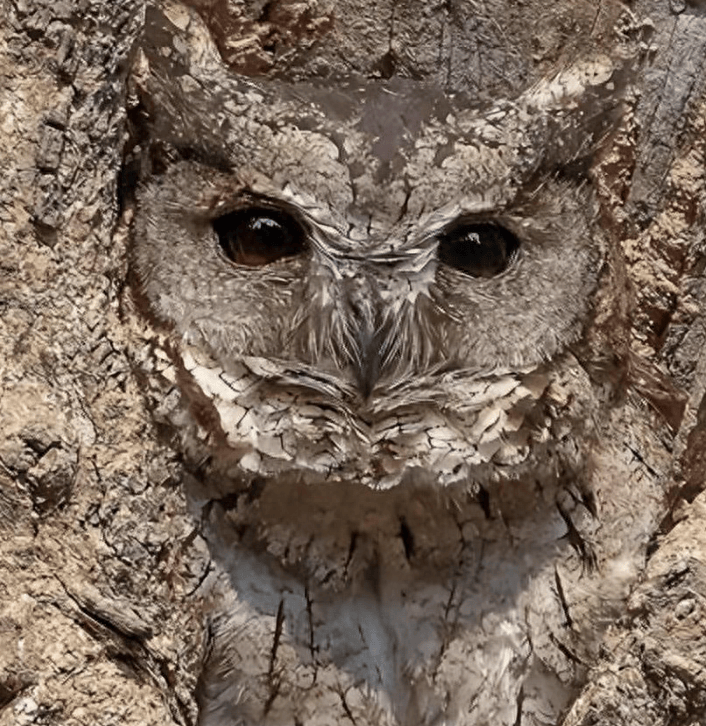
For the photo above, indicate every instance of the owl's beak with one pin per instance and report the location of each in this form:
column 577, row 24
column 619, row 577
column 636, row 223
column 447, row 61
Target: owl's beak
column 367, row 336
column 367, row 363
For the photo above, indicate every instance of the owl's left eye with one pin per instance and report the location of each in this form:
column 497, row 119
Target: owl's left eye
column 258, row 236
column 479, row 249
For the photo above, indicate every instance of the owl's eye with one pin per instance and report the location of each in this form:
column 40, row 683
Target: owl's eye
column 258, row 236
column 478, row 249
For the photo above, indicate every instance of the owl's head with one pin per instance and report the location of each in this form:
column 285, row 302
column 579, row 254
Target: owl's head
column 372, row 281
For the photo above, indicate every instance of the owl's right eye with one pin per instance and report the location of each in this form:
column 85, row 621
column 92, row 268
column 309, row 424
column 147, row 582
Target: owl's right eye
column 258, row 236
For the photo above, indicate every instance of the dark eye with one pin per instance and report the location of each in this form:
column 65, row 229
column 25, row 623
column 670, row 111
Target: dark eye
column 478, row 249
column 259, row 236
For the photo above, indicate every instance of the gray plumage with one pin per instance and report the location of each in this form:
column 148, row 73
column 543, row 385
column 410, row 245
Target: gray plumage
column 394, row 457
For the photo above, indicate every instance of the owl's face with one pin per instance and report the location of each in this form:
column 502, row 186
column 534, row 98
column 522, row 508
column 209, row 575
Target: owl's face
column 377, row 282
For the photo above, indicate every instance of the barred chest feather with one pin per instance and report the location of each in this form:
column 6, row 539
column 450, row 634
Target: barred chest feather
column 325, row 583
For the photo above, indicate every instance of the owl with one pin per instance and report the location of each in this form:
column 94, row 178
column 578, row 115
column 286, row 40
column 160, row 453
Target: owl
column 382, row 325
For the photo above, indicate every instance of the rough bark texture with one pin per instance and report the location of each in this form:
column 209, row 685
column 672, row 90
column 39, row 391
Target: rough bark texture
column 101, row 611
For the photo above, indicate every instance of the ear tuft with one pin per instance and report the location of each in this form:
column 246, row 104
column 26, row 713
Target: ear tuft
column 573, row 113
column 172, row 116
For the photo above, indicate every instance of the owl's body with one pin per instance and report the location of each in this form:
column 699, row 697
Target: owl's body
column 376, row 316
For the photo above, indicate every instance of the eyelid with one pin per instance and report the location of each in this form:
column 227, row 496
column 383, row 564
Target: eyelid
column 247, row 199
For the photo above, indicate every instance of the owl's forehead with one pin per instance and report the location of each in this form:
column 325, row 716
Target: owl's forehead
column 366, row 157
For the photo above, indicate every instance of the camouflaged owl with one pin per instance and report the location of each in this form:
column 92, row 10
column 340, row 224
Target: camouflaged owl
column 380, row 322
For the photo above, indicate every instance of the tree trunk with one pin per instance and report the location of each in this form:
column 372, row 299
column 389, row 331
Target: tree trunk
column 105, row 560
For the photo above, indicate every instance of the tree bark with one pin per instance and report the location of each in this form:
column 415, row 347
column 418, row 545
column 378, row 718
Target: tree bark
column 102, row 609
